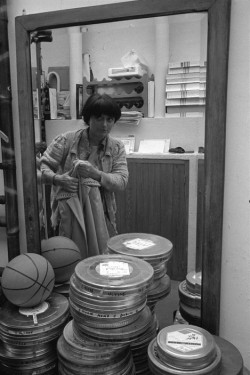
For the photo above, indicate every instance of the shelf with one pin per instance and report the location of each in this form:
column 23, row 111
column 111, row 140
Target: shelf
column 130, row 93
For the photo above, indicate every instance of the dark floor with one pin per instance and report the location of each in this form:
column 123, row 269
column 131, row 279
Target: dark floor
column 166, row 307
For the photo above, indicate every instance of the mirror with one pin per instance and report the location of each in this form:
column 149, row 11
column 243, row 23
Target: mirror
column 103, row 46
column 215, row 119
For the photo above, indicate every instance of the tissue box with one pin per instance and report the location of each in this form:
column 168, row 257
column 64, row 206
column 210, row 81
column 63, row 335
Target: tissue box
column 131, row 71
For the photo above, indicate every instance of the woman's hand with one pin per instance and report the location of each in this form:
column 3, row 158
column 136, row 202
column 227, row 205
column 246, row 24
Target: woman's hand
column 85, row 169
column 69, row 184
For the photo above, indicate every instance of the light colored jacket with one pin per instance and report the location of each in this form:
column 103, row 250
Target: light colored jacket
column 64, row 150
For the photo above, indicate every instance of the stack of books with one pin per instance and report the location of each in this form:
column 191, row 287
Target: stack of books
column 130, row 118
column 185, row 85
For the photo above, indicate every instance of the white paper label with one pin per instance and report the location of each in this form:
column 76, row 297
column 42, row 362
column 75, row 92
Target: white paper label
column 185, row 341
column 114, row 269
column 138, row 244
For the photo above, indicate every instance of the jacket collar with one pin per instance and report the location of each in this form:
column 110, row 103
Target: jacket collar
column 83, row 134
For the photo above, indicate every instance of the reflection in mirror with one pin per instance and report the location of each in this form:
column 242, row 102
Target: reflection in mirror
column 170, row 55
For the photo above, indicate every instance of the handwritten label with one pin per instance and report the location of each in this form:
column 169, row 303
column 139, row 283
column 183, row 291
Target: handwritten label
column 138, row 244
column 185, row 340
column 114, row 269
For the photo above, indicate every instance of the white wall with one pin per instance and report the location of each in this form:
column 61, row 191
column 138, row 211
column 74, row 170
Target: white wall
column 187, row 41
column 187, row 133
column 235, row 296
column 51, row 55
column 235, row 291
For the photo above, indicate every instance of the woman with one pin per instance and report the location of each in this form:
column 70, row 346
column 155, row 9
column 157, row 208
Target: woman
column 85, row 168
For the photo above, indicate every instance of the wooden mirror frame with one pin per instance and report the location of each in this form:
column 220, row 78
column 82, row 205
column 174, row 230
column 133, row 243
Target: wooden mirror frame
column 215, row 120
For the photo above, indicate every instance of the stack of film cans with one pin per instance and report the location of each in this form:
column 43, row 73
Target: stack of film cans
column 62, row 289
column 184, row 349
column 190, row 298
column 28, row 336
column 111, row 320
column 77, row 355
column 155, row 250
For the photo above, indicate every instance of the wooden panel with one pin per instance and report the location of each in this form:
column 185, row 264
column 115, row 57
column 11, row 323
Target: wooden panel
column 215, row 135
column 112, row 12
column 27, row 135
column 200, row 216
column 8, row 165
column 156, row 202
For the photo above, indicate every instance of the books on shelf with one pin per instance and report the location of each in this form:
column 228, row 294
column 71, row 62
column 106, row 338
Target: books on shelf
column 185, row 101
column 186, row 86
column 186, row 94
column 185, row 78
column 186, row 64
column 188, row 69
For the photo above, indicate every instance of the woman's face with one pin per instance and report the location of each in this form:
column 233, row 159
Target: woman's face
column 100, row 127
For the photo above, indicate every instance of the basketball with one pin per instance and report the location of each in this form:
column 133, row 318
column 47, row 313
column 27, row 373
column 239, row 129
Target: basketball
column 28, row 280
column 63, row 254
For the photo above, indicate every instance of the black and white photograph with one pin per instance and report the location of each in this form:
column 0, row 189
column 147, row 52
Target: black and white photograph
column 124, row 187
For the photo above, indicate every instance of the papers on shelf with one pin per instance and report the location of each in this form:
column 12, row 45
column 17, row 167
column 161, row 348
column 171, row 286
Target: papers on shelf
column 130, row 118
column 129, row 144
column 154, row 146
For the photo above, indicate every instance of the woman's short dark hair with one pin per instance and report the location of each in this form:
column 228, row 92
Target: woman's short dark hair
column 97, row 105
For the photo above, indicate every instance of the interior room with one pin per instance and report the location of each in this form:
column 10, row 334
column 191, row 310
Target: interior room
column 184, row 126
column 187, row 132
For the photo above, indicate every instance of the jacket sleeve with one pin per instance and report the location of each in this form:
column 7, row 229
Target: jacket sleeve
column 52, row 158
column 117, row 178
